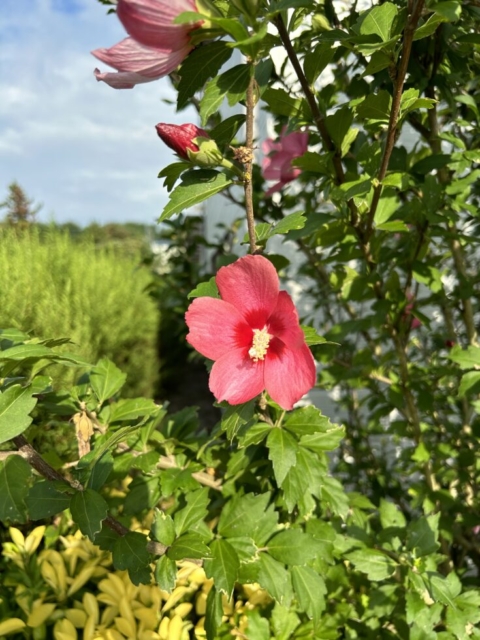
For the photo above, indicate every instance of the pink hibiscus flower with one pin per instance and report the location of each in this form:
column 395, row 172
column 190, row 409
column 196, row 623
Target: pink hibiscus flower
column 253, row 335
column 155, row 47
column 277, row 163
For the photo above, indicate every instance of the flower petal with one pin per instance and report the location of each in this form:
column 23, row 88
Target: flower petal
column 150, row 22
column 216, row 327
column 121, row 79
column 236, row 378
column 130, row 56
column 284, row 323
column 289, row 373
column 251, row 285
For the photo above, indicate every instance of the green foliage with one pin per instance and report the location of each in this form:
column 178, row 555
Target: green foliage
column 54, row 285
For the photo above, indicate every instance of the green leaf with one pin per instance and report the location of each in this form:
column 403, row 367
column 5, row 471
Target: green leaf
column 294, row 221
column 205, row 289
column 88, row 509
column 106, row 379
column 312, row 337
column 16, row 403
column 375, row 564
column 293, row 547
column 470, row 382
column 284, row 622
column 163, row 528
column 310, row 589
column 196, row 185
column 282, row 452
column 194, row 512
column 466, row 358
column 325, row 440
column 223, row 566
column 334, row 496
column 281, row 103
column 317, row 60
column 309, row 421
column 236, row 417
column 130, row 553
column 375, row 107
column 213, row 613
column 379, row 21
column 390, row 515
column 189, row 545
column 226, row 130
column 130, row 410
column 200, row 65
column 248, row 515
column 338, row 124
column 429, row 27
column 15, row 476
column 441, row 589
column 423, row 535
column 231, row 84
column 166, row 573
column 273, row 577
column 45, row 500
column 172, row 172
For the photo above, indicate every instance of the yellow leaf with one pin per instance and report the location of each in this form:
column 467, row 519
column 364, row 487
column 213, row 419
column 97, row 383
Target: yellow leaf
column 11, row 626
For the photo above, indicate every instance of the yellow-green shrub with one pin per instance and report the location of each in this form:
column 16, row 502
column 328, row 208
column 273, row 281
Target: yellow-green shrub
column 72, row 593
column 54, row 285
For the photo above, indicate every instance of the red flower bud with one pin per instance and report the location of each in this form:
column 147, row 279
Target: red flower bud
column 180, row 137
column 449, row 343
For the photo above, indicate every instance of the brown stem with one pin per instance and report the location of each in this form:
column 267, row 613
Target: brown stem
column 248, row 165
column 399, row 81
column 36, row 461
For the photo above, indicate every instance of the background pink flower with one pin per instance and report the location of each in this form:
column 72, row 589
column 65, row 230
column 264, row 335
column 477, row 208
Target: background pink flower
column 253, row 335
column 277, row 163
column 155, row 47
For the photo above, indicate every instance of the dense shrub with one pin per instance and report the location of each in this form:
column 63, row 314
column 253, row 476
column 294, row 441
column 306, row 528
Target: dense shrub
column 54, row 285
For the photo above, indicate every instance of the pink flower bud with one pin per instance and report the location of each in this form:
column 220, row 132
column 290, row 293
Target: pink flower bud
column 180, row 137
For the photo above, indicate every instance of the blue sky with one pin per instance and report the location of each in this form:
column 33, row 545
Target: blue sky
column 84, row 150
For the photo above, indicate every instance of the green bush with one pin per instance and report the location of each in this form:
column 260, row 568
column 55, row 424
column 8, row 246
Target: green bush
column 52, row 284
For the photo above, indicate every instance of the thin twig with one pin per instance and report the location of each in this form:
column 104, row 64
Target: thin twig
column 248, row 165
column 399, row 82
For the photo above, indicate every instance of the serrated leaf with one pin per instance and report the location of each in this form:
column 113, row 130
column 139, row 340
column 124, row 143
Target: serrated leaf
column 466, row 358
column 163, row 528
column 333, row 495
column 429, row 27
column 196, row 186
column 125, row 410
column 245, row 515
column 379, row 21
column 375, row 107
column 30, row 352
column 390, row 515
column 237, row 416
column 202, row 63
column 89, row 510
column 223, row 566
column 423, row 535
column 292, row 547
column 208, row 289
column 232, row 84
column 312, row 337
column 106, row 379
column 281, row 103
column 45, row 500
column 470, row 382
column 375, row 564
column 130, row 552
column 16, row 403
column 441, row 589
column 226, row 130
column 310, row 589
column 282, row 451
column 213, row 613
column 194, row 512
column 166, row 573
column 273, row 577
column 189, row 545
column 307, row 420
column 294, row 221
column 172, row 172
column 15, row 475
column 326, row 440
column 317, row 60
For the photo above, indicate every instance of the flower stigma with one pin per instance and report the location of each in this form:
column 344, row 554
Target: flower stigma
column 259, row 348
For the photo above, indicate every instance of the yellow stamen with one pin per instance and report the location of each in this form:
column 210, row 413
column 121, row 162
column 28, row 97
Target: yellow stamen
column 259, row 348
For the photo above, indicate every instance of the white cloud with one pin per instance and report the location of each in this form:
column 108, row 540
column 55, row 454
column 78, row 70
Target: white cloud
column 86, row 151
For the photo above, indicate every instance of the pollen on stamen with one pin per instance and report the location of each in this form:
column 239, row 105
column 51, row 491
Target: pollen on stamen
column 259, row 348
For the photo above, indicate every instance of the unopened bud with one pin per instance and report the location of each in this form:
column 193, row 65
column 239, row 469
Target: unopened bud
column 207, row 154
column 181, row 138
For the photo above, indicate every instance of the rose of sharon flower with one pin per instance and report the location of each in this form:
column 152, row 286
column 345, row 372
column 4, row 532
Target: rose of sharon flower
column 155, row 47
column 180, row 137
column 253, row 335
column 277, row 164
